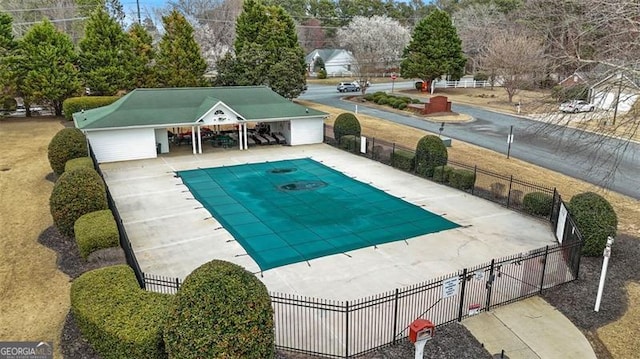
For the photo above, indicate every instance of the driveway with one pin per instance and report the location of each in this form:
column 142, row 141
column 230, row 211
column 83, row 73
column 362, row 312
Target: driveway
column 603, row 161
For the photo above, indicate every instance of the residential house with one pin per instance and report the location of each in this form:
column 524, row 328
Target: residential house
column 337, row 62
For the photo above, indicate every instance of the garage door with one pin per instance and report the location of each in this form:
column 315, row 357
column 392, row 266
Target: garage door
column 306, row 131
column 123, row 145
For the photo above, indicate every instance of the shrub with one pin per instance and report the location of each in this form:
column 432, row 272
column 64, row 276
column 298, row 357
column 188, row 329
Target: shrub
column 462, row 179
column 480, row 76
column 596, row 220
column 430, row 153
column 369, row 97
column 537, row 203
column 402, row 106
column 349, row 142
column 346, row 124
column 77, row 104
column 441, row 173
column 9, row 103
column 221, row 311
column 116, row 317
column 396, row 103
column 76, row 193
column 403, row 160
column 80, row 162
column 322, row 74
column 94, row 231
column 67, row 144
column 378, row 94
column 382, row 100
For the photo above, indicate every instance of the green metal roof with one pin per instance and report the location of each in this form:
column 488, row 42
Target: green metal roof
column 172, row 106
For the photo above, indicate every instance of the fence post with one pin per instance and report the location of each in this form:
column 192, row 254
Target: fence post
column 555, row 194
column 490, row 284
column 395, row 316
column 177, row 284
column 464, row 285
column 346, row 333
column 373, row 148
column 509, row 193
column 475, row 177
column 393, row 155
column 544, row 267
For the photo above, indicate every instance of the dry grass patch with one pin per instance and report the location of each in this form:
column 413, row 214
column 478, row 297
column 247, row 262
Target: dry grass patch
column 620, row 337
column 34, row 299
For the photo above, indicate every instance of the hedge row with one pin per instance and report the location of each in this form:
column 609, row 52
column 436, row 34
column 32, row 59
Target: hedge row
column 537, row 203
column 382, row 98
column 77, row 104
column 116, row 317
column 94, row 231
column 455, row 177
column 403, row 160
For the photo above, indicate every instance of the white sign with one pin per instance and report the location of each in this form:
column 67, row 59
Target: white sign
column 449, row 287
column 474, row 309
column 562, row 219
column 509, row 139
column 363, row 144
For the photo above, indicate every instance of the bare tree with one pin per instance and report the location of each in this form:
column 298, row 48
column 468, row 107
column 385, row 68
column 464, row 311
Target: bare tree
column 376, row 43
column 476, row 25
column 516, row 57
column 311, row 35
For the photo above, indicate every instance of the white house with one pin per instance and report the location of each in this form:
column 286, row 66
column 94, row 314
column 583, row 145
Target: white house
column 137, row 125
column 337, row 62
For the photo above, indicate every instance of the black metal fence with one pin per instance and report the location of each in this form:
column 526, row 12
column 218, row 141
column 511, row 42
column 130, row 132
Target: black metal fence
column 499, row 188
column 344, row 329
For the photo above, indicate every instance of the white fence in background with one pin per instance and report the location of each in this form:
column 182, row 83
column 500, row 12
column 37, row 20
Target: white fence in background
column 464, row 83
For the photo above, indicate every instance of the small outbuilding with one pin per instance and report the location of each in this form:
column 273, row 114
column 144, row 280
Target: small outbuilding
column 138, row 125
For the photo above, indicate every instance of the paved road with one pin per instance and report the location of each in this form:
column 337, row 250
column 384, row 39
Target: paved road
column 606, row 162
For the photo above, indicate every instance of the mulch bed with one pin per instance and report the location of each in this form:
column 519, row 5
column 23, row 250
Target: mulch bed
column 575, row 300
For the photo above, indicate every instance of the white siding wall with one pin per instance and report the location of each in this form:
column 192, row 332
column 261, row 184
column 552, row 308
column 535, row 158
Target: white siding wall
column 306, row 131
column 162, row 137
column 123, row 145
column 342, row 64
column 606, row 100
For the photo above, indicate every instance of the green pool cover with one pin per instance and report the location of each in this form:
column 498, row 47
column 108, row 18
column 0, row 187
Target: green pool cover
column 290, row 211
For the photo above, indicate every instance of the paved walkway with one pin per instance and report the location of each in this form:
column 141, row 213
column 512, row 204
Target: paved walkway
column 529, row 329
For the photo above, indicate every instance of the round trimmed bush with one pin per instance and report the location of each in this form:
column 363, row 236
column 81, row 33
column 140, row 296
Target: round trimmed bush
column 596, row 219
column 221, row 311
column 116, row 317
column 382, row 100
column 76, row 193
column 461, row 179
column 430, row 153
column 537, row 203
column 67, row 144
column 94, row 231
column 346, row 124
column 84, row 162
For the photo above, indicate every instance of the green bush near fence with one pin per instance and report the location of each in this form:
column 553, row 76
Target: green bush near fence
column 94, row 231
column 537, row 204
column 430, row 153
column 596, row 220
column 349, row 143
column 403, row 160
column 221, row 311
column 75, row 194
column 116, row 317
column 67, row 144
column 77, row 104
column 80, row 162
column 462, row 179
column 441, row 173
column 346, row 124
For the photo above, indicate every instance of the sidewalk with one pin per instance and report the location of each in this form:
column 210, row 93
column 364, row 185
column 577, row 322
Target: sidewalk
column 529, row 329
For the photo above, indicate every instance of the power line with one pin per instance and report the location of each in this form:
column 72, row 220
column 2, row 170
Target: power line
column 51, row 20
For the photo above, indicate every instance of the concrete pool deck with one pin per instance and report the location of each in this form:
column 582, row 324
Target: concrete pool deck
column 172, row 234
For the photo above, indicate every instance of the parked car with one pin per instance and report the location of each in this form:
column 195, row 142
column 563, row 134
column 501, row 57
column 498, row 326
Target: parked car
column 348, row 87
column 576, row 106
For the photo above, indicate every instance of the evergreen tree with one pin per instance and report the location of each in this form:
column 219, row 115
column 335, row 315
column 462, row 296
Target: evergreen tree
column 7, row 45
column 266, row 52
column 106, row 55
column 143, row 54
column 45, row 63
column 435, row 49
column 179, row 62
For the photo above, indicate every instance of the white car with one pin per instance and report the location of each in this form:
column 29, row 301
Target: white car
column 576, row 106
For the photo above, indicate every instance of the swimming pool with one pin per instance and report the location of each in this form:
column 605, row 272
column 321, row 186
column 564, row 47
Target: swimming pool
column 290, row 211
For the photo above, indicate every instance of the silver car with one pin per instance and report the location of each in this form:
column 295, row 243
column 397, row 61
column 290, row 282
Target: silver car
column 348, row 87
column 575, row 106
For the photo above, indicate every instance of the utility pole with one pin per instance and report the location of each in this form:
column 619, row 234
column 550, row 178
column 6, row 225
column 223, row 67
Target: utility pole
column 138, row 5
column 615, row 110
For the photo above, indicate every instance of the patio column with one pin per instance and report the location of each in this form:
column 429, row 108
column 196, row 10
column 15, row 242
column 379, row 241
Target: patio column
column 246, row 137
column 199, row 141
column 193, row 140
column 240, row 138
